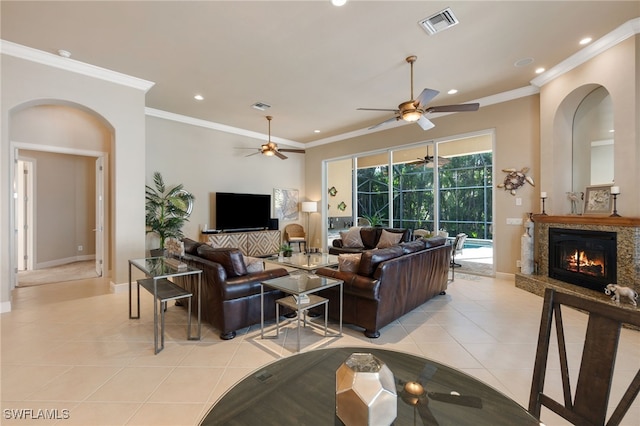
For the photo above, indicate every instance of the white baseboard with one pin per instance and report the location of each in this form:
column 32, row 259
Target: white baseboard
column 64, row 261
column 506, row 276
column 118, row 288
column 5, row 307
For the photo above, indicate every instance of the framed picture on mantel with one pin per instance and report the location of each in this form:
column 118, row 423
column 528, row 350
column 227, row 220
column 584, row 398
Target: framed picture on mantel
column 598, row 200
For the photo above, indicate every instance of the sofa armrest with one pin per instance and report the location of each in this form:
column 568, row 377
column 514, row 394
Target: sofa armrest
column 354, row 284
column 247, row 285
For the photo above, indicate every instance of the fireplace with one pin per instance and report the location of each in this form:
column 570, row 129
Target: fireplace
column 583, row 257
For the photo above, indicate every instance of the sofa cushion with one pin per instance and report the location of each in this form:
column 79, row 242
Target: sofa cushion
column 253, row 264
column 349, row 262
column 435, row 241
column 372, row 258
column 351, row 238
column 413, row 246
column 370, row 237
column 388, row 239
column 230, row 258
column 191, row 246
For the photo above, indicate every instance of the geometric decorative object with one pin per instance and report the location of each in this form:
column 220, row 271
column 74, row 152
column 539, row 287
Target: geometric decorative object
column 342, row 206
column 365, row 391
column 333, row 191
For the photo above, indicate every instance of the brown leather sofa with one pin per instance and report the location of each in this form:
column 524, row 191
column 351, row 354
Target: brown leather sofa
column 370, row 237
column 230, row 295
column 389, row 283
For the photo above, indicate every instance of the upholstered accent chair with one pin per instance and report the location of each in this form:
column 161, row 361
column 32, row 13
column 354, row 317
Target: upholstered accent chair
column 294, row 234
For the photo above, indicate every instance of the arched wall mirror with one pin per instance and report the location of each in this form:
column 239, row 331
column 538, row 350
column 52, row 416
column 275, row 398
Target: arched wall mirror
column 593, row 141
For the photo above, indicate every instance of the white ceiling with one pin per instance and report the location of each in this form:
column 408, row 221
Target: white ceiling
column 314, row 63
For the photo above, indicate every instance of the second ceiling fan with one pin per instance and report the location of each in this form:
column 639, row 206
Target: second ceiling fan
column 415, row 109
column 271, row 148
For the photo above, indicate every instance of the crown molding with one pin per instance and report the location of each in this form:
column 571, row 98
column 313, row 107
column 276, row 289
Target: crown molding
column 623, row 32
column 486, row 101
column 152, row 112
column 68, row 64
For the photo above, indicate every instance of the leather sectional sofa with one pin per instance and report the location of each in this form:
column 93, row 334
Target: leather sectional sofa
column 370, row 238
column 389, row 283
column 230, row 294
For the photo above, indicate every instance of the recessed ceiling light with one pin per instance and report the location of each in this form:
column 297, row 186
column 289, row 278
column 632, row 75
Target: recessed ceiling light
column 316, row 131
column 64, row 53
column 338, row 2
column 585, row 40
column 523, row 62
column 452, row 91
column 611, row 131
column 198, row 97
column 540, row 70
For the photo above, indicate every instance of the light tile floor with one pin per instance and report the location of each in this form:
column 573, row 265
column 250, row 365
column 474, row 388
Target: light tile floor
column 71, row 346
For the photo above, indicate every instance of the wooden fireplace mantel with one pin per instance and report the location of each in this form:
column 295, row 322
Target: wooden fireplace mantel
column 588, row 220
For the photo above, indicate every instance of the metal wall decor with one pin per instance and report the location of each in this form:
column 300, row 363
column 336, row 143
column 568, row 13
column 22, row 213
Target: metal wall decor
column 333, row 191
column 342, row 206
column 515, row 179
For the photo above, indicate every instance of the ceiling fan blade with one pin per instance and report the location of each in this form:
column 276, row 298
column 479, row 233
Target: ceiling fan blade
column 454, row 108
column 279, row 155
column 425, row 123
column 426, row 415
column 377, row 109
column 396, row 118
column 425, row 97
column 463, row 400
column 249, row 155
column 299, row 151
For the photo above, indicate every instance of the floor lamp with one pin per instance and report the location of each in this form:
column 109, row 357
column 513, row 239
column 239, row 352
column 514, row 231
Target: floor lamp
column 309, row 207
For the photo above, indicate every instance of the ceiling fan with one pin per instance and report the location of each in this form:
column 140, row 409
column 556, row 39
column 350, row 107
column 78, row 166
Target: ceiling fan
column 415, row 111
column 415, row 393
column 428, row 160
column 271, row 148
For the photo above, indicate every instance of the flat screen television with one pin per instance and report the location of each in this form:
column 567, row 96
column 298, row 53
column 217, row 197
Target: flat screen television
column 242, row 212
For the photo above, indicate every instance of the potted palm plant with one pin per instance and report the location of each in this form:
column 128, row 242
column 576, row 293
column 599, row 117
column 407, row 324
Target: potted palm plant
column 167, row 209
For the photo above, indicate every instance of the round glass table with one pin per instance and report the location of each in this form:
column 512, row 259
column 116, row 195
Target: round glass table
column 301, row 390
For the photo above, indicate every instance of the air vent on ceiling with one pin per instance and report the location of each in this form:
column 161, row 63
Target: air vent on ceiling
column 261, row 106
column 439, row 22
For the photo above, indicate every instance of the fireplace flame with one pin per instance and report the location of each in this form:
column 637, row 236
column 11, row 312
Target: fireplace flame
column 579, row 261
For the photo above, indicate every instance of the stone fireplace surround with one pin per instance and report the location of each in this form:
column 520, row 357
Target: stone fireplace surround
column 628, row 249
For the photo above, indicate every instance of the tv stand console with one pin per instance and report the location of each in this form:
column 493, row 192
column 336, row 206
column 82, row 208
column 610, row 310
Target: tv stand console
column 251, row 243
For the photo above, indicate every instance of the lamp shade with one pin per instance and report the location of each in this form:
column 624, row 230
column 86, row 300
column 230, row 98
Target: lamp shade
column 309, row 206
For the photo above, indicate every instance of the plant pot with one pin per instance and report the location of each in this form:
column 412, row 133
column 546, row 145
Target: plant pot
column 287, row 253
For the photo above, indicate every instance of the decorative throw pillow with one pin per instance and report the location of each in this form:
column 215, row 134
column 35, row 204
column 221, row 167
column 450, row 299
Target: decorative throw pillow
column 230, row 259
column 351, row 238
column 254, row 264
column 349, row 262
column 388, row 239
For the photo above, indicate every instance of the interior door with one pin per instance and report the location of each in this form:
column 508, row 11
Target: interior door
column 99, row 229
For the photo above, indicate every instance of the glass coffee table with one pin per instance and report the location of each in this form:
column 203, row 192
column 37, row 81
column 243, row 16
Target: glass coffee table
column 297, row 285
column 306, row 262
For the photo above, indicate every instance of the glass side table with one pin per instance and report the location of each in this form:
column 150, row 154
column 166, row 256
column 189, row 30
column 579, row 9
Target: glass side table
column 297, row 285
column 159, row 270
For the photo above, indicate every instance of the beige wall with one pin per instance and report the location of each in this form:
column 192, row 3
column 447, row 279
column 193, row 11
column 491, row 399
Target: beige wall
column 515, row 124
column 207, row 161
column 64, row 197
column 121, row 108
column 618, row 70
